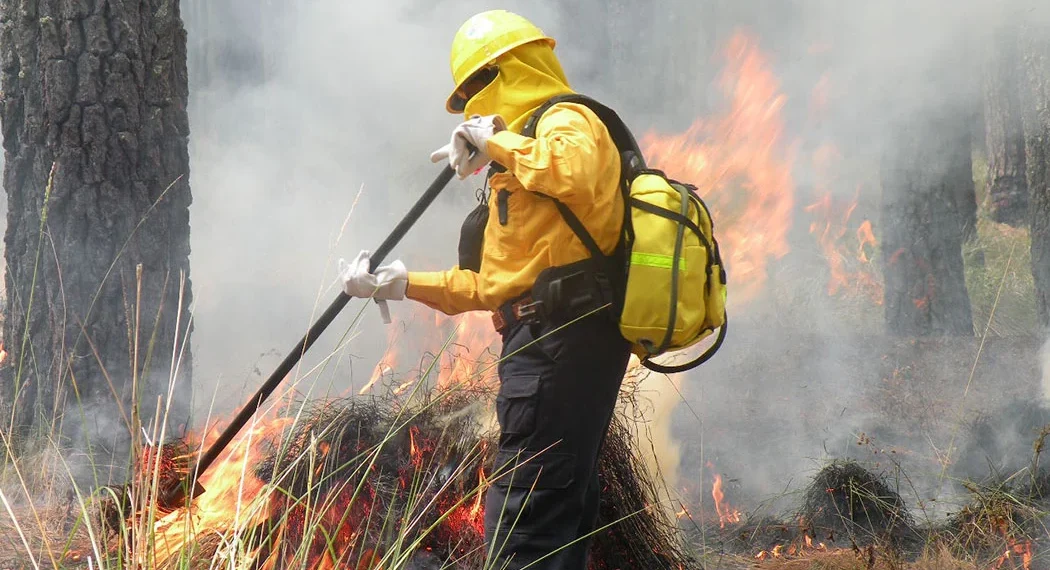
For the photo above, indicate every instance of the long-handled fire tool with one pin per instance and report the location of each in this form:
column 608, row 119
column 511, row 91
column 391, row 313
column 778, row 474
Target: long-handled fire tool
column 173, row 496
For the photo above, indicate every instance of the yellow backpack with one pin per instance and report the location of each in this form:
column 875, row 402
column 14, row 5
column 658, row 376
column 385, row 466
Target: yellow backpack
column 673, row 286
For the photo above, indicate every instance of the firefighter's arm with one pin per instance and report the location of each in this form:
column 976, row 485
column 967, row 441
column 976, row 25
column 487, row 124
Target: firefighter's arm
column 452, row 291
column 566, row 160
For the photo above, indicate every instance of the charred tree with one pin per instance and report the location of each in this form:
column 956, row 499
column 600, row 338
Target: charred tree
column 927, row 186
column 1004, row 134
column 1037, row 156
column 95, row 127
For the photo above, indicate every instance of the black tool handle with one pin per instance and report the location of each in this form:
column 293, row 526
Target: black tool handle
column 318, row 327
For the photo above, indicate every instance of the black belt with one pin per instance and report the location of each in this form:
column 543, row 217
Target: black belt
column 523, row 309
column 560, row 293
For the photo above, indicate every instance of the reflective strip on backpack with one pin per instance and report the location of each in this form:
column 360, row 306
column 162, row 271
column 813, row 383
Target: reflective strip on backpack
column 658, row 260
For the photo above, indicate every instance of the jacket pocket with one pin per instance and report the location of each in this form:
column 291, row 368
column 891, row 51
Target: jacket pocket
column 517, row 403
column 509, row 210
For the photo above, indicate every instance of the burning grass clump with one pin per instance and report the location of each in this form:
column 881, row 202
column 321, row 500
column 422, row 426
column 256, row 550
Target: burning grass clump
column 360, row 481
column 408, row 486
column 1006, row 517
column 369, row 483
column 157, row 467
column 848, row 504
column 1001, row 521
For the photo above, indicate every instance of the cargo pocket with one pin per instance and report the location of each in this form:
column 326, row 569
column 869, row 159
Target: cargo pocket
column 534, row 470
column 517, row 403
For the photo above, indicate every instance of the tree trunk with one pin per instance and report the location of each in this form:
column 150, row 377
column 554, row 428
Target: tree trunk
column 1037, row 157
column 960, row 176
column 95, row 134
column 927, row 188
column 1004, row 135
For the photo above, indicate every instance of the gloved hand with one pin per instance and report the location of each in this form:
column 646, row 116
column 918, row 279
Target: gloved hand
column 388, row 283
column 477, row 132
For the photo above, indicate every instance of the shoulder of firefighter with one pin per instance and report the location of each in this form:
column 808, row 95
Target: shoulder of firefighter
column 571, row 158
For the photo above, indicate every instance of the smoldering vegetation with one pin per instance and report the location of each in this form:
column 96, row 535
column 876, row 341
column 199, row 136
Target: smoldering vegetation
column 375, row 482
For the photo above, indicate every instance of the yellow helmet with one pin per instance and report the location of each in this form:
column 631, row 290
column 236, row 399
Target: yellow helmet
column 485, row 37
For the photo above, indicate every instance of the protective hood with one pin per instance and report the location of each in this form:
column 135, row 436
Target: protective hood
column 529, row 75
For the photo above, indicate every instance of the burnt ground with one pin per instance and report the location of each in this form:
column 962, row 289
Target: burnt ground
column 781, row 402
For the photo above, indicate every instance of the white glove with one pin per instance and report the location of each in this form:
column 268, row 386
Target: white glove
column 477, row 132
column 388, row 283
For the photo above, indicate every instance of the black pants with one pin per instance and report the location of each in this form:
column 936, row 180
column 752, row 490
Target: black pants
column 556, row 399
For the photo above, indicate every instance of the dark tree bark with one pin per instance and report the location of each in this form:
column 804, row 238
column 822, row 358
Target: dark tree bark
column 926, row 178
column 94, row 93
column 1036, row 42
column 1004, row 135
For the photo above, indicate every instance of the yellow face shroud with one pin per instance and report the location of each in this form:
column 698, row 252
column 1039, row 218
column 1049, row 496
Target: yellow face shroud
column 529, row 75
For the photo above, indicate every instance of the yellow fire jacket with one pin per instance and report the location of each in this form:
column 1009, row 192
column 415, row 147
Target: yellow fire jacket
column 573, row 158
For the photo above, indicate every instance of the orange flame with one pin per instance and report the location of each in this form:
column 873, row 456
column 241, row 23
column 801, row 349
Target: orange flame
column 726, row 513
column 467, row 358
column 794, row 549
column 739, row 167
column 413, row 451
column 830, row 230
column 1018, row 550
column 865, row 240
column 231, row 488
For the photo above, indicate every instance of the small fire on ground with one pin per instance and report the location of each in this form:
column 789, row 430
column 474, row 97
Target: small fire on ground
column 792, row 550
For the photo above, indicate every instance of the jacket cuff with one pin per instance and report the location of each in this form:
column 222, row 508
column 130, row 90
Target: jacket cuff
column 426, row 286
column 501, row 146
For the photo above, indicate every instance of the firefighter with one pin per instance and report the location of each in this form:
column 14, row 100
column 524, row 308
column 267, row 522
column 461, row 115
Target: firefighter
column 563, row 356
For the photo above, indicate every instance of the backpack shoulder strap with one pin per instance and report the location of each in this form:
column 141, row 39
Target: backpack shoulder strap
column 621, row 135
column 630, row 155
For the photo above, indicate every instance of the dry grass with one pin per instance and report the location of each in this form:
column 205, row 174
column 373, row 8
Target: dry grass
column 869, row 558
column 58, row 542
